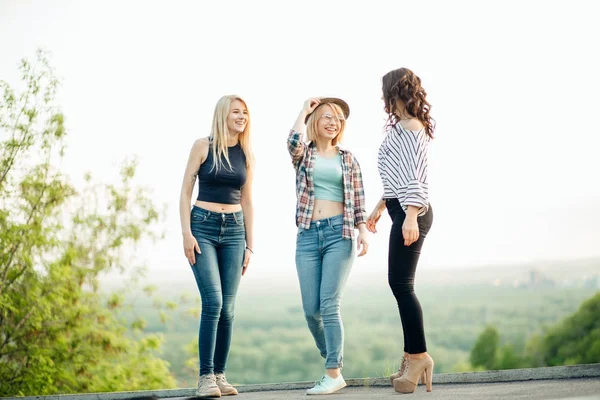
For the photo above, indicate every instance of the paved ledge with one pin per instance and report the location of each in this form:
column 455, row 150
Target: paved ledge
column 574, row 380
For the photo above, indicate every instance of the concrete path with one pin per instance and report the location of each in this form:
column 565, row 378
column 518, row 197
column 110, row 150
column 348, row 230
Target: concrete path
column 548, row 389
column 568, row 382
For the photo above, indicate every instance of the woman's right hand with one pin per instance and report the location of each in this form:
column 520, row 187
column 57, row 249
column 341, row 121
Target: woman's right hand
column 373, row 219
column 310, row 105
column 189, row 245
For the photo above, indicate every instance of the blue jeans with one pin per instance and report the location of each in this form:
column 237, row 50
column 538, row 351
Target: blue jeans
column 323, row 262
column 218, row 270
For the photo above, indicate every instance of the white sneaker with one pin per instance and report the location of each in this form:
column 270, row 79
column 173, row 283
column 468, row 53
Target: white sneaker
column 207, row 387
column 225, row 387
column 327, row 385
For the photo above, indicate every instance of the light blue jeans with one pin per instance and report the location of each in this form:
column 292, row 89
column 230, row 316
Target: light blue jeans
column 218, row 270
column 323, row 262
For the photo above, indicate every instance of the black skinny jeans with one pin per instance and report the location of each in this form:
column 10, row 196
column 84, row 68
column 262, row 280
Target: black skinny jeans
column 402, row 266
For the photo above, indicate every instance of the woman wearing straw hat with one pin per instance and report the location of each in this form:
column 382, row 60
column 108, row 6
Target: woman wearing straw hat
column 402, row 164
column 330, row 206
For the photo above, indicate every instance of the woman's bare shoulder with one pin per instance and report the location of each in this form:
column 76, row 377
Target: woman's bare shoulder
column 412, row 124
column 200, row 148
column 201, row 144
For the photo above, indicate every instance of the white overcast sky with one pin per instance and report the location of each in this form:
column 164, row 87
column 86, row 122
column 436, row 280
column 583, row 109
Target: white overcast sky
column 514, row 87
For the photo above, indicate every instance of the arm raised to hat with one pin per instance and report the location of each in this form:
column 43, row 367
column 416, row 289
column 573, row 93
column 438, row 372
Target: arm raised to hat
column 296, row 145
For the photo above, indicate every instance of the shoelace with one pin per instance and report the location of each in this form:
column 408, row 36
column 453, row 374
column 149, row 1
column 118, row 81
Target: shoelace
column 403, row 364
column 223, row 380
column 320, row 381
column 206, row 381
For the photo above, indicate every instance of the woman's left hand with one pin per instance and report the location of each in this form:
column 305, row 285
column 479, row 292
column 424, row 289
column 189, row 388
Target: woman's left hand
column 362, row 241
column 247, row 256
column 410, row 231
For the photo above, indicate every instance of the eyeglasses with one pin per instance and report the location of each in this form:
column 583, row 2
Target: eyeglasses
column 329, row 118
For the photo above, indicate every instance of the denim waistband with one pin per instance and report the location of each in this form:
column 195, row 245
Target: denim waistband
column 234, row 216
column 337, row 220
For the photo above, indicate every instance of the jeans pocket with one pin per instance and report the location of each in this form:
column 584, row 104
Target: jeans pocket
column 424, row 223
column 198, row 217
column 239, row 219
column 336, row 227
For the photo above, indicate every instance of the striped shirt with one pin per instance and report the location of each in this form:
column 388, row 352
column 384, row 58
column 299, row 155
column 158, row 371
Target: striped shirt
column 303, row 158
column 402, row 164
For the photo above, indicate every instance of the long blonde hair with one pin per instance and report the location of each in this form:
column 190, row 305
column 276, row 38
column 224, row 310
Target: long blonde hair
column 311, row 124
column 219, row 133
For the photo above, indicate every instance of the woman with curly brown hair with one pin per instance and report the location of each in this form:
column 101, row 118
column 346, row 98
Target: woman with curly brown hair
column 402, row 164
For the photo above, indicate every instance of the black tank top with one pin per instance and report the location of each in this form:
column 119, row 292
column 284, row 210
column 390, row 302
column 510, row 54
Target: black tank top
column 222, row 186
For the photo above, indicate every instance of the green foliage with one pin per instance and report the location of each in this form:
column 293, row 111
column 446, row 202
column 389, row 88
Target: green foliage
column 576, row 340
column 58, row 332
column 507, row 358
column 271, row 342
column 485, row 349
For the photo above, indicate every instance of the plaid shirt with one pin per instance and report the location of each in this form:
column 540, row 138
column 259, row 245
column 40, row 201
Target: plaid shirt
column 303, row 158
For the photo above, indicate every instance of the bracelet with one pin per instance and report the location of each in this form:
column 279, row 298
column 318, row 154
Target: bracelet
column 248, row 248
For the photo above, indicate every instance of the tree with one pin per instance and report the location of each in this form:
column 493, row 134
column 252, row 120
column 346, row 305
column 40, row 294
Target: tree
column 485, row 349
column 58, row 332
column 506, row 358
column 576, row 339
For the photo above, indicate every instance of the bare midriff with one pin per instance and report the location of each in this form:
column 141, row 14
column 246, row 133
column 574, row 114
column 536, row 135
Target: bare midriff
column 326, row 209
column 218, row 207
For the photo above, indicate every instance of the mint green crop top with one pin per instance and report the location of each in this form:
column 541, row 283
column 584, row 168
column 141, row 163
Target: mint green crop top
column 328, row 179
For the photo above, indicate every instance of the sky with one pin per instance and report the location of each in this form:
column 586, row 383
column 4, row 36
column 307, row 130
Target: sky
column 513, row 86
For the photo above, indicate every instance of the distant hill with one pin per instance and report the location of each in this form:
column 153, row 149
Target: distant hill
column 564, row 273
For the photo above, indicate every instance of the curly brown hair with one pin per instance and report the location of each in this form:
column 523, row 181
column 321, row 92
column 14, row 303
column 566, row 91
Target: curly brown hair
column 402, row 84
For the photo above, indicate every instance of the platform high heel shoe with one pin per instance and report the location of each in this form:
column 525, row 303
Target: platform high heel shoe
column 417, row 368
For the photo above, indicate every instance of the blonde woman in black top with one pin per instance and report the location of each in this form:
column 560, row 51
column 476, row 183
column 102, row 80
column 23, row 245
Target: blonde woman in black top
column 218, row 234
